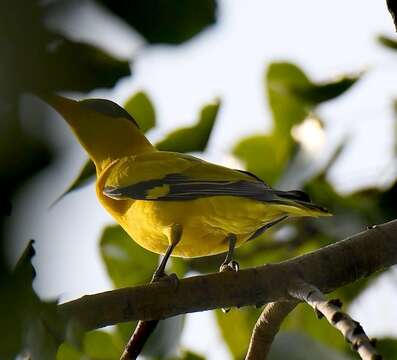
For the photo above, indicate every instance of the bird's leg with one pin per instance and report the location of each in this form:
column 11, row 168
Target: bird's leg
column 229, row 264
column 144, row 329
column 175, row 237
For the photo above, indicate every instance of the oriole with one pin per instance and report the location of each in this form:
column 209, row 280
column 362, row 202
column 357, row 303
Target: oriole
column 172, row 203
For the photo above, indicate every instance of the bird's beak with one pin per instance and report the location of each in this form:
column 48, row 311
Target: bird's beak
column 67, row 108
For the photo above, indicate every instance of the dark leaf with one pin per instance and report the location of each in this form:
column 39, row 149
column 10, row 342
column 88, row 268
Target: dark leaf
column 77, row 66
column 142, row 110
column 392, row 6
column 166, row 21
column 387, row 347
column 193, row 138
column 388, row 42
column 317, row 93
column 33, row 326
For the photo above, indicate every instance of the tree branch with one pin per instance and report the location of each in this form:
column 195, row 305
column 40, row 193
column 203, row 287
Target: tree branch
column 327, row 269
column 331, row 310
column 267, row 327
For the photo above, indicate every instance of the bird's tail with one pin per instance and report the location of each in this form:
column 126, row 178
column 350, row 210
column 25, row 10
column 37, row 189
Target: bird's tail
column 298, row 203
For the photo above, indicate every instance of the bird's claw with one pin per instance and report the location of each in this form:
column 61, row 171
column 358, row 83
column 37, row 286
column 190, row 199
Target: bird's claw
column 230, row 266
column 162, row 277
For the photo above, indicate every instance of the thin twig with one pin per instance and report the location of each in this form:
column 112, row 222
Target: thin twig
column 331, row 310
column 267, row 327
column 138, row 339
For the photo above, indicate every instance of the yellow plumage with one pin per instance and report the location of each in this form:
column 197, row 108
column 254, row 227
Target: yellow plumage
column 148, row 192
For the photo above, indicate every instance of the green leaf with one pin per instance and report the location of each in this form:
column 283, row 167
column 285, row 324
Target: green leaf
column 142, row 110
column 85, row 176
column 68, row 352
column 265, row 155
column 127, row 263
column 281, row 81
column 292, row 95
column 388, row 42
column 165, row 21
column 316, row 93
column 297, row 346
column 101, row 345
column 193, row 138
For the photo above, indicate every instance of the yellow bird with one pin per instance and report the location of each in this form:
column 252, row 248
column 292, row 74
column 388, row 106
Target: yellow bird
column 172, row 203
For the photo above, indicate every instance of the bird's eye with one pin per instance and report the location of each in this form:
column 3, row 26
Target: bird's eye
column 108, row 108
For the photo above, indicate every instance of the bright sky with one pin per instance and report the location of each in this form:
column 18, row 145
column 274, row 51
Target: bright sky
column 228, row 61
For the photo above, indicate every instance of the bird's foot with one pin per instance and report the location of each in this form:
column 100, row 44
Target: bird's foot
column 230, row 266
column 162, row 277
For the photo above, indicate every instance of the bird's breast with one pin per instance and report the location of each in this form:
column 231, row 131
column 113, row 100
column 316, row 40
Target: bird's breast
column 205, row 223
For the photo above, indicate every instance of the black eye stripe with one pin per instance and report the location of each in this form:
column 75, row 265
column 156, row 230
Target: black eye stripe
column 107, row 107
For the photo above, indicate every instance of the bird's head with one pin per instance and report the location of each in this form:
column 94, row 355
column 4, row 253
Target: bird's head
column 104, row 129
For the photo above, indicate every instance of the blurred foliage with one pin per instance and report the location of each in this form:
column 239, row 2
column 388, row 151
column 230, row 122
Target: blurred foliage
column 127, row 263
column 292, row 98
column 388, row 42
column 31, row 325
column 35, row 59
column 193, row 138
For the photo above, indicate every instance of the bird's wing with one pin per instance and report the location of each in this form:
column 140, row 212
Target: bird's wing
column 167, row 176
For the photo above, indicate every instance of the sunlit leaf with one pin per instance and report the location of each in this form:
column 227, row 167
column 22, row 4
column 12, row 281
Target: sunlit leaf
column 297, row 346
column 142, row 110
column 282, row 79
column 166, row 21
column 68, row 352
column 127, row 263
column 193, row 138
column 101, row 345
column 292, row 95
column 265, row 155
column 85, row 176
